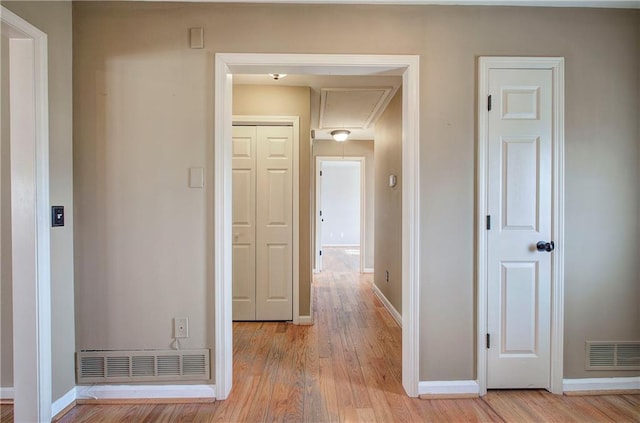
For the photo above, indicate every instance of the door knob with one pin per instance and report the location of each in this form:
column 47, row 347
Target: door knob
column 545, row 246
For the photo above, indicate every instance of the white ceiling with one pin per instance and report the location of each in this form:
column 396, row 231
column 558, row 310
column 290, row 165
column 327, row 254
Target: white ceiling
column 625, row 4
column 349, row 109
column 352, row 108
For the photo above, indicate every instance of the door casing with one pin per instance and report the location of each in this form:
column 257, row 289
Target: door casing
column 408, row 66
column 30, row 221
column 556, row 65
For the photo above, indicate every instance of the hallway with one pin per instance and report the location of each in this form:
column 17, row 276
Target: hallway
column 346, row 367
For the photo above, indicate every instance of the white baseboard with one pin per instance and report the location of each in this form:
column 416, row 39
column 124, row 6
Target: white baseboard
column 6, row 393
column 111, row 392
column 367, row 270
column 601, row 384
column 305, row 320
column 392, row 310
column 449, row 387
column 341, row 246
column 64, row 401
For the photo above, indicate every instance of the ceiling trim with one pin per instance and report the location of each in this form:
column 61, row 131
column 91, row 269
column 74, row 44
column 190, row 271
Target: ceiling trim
column 620, row 4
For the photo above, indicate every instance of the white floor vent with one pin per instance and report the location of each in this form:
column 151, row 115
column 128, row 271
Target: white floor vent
column 142, row 366
column 613, row 355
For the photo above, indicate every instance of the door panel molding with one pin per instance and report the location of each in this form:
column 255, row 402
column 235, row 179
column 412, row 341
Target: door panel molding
column 556, row 65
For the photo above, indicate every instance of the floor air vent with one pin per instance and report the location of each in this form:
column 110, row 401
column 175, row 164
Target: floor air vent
column 613, row 355
column 142, row 366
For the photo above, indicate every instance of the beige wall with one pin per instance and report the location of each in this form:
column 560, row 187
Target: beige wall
column 253, row 100
column 6, row 290
column 602, row 67
column 354, row 148
column 54, row 18
column 143, row 114
column 388, row 250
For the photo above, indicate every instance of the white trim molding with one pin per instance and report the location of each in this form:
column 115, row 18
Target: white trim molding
column 621, row 4
column 387, row 304
column 449, row 387
column 328, row 64
column 7, row 393
column 30, row 208
column 64, row 401
column 145, row 392
column 556, row 65
column 601, row 384
column 368, row 270
column 305, row 320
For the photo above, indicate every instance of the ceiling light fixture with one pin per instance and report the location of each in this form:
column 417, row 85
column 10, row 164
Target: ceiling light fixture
column 277, row 76
column 340, row 135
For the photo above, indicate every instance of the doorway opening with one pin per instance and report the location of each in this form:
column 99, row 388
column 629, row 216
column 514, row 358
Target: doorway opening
column 229, row 63
column 341, row 210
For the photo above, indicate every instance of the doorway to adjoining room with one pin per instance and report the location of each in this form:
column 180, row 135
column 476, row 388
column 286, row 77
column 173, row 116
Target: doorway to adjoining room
column 340, row 204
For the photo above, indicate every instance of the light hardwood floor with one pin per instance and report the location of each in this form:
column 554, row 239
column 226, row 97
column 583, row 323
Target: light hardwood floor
column 346, row 368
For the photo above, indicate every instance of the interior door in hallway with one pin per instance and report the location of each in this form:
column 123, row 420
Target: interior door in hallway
column 262, row 223
column 520, row 206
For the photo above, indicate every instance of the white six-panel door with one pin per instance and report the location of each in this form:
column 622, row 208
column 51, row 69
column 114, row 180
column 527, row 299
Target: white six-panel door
column 274, row 286
column 262, row 223
column 519, row 200
column 244, row 222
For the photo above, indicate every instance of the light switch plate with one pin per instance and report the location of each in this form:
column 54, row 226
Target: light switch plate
column 57, row 216
column 196, row 177
column 196, row 37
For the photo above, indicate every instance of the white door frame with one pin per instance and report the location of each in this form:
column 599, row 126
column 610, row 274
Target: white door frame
column 556, row 65
column 328, row 64
column 363, row 199
column 294, row 122
column 30, row 219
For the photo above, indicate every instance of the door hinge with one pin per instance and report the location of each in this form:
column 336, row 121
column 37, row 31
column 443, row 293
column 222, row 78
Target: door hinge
column 489, row 103
column 320, row 173
column 488, row 341
column 320, row 252
column 320, row 212
column 488, row 222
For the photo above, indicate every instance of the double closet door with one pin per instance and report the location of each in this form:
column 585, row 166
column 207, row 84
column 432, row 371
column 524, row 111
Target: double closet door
column 262, row 222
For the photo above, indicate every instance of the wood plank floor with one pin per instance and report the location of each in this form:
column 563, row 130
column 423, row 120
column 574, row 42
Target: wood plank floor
column 346, row 368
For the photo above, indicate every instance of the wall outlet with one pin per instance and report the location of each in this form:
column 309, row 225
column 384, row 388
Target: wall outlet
column 386, row 273
column 180, row 327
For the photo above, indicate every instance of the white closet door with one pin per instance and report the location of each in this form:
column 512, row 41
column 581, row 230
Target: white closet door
column 274, row 236
column 520, row 202
column 262, row 223
column 244, row 222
